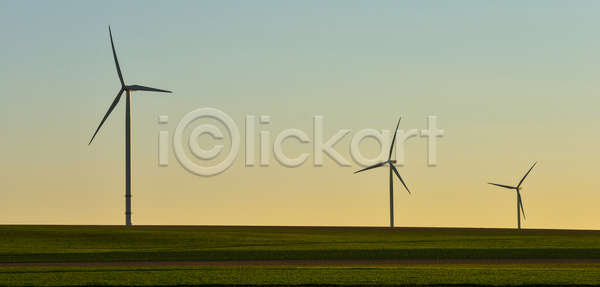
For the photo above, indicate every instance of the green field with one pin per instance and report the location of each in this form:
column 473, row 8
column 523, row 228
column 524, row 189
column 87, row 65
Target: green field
column 180, row 243
column 383, row 276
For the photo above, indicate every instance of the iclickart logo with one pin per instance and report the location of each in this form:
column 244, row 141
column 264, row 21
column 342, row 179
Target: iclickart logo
column 320, row 146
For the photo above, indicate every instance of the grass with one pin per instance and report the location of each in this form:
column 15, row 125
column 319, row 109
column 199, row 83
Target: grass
column 162, row 243
column 573, row 274
column 118, row 243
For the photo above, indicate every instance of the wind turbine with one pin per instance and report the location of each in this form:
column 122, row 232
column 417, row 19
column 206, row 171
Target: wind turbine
column 392, row 171
column 127, row 90
column 519, row 202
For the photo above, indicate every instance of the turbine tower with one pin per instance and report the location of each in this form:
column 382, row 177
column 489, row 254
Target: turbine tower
column 127, row 90
column 392, row 171
column 519, row 202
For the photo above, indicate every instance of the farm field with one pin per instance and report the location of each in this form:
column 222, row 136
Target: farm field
column 503, row 275
column 208, row 255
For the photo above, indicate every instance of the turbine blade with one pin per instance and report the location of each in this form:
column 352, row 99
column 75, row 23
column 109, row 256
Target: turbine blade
column 398, row 174
column 394, row 139
column 116, row 61
column 521, row 204
column 373, row 166
column 115, row 102
column 142, row 88
column 526, row 175
column 500, row 185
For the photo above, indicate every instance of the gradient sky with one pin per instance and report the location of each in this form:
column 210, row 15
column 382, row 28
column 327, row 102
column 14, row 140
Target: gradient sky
column 511, row 82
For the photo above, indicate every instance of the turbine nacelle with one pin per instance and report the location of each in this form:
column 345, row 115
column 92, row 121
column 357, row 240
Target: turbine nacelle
column 393, row 161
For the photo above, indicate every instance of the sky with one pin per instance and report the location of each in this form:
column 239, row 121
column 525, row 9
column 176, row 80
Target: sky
column 510, row 83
